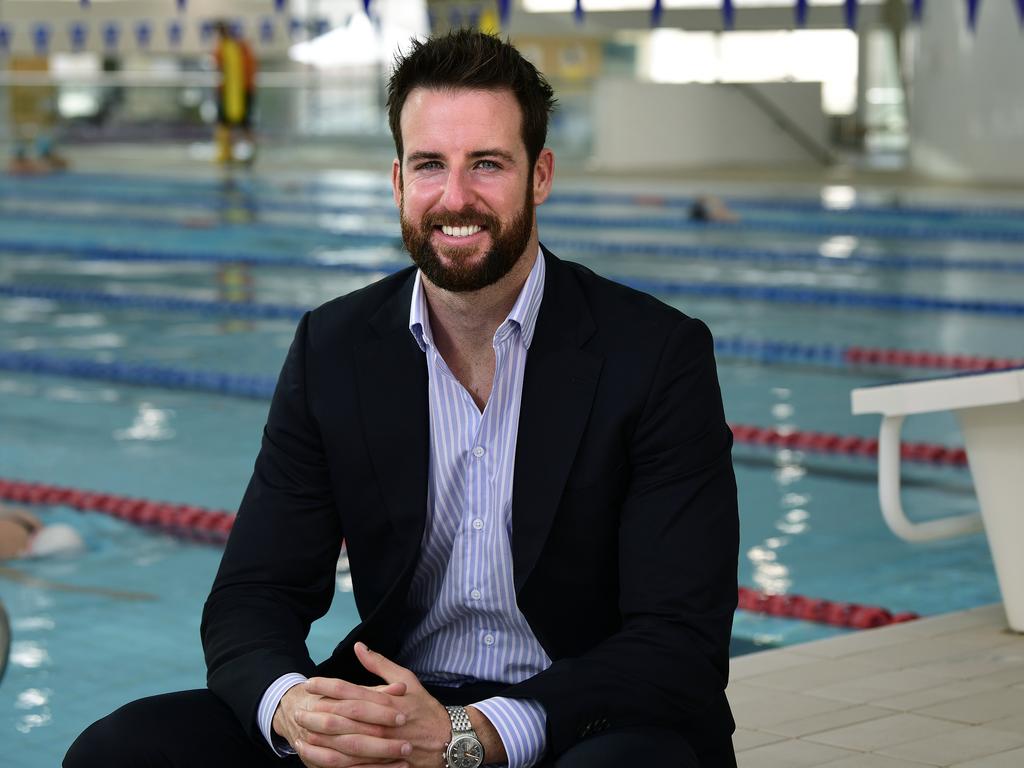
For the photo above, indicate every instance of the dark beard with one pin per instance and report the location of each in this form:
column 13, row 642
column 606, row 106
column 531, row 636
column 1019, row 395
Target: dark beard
column 507, row 246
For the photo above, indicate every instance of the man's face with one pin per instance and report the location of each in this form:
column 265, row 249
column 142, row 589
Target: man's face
column 465, row 188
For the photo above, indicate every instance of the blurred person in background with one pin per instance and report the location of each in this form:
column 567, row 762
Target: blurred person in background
column 235, row 96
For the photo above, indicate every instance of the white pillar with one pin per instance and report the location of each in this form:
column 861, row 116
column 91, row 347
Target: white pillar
column 967, row 93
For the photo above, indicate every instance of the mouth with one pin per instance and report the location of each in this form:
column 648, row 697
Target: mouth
column 459, row 232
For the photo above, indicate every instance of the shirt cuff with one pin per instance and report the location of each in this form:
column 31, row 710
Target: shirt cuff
column 522, row 726
column 267, row 708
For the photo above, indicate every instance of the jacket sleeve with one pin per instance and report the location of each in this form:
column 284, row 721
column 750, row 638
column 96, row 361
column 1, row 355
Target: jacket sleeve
column 276, row 575
column 677, row 557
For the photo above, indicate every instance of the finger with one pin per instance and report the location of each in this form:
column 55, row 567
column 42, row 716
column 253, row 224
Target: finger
column 359, row 748
column 342, row 690
column 392, row 689
column 327, row 724
column 360, row 711
column 382, row 666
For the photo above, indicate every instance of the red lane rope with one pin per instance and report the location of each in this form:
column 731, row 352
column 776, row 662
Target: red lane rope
column 846, row 445
column 215, row 525
column 836, row 614
column 921, row 359
column 181, row 519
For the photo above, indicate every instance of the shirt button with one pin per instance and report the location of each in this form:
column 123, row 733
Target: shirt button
column 475, row 594
column 488, row 639
column 478, row 451
column 478, row 524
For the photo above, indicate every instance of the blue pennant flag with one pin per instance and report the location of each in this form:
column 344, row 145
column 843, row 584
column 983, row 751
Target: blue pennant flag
column 577, row 12
column 800, row 13
column 182, row 5
column 473, row 16
column 455, row 18
column 728, row 14
column 84, row 3
column 295, row 27
column 279, row 5
column 851, row 14
column 505, row 9
column 1020, row 10
column 143, row 34
column 77, row 35
column 656, row 10
column 972, row 13
column 237, row 28
column 111, row 34
column 321, row 27
column 917, row 10
column 5, row 37
column 206, row 30
column 174, row 32
column 267, row 30
column 41, row 37
column 366, row 6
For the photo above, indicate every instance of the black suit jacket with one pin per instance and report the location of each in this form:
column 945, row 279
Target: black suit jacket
column 624, row 514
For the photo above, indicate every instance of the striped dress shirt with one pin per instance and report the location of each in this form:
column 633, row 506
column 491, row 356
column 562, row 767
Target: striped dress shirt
column 465, row 624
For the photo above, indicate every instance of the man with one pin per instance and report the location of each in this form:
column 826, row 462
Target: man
column 236, row 93
column 530, row 467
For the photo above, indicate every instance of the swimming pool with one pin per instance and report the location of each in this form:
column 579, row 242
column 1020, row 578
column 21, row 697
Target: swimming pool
column 189, row 274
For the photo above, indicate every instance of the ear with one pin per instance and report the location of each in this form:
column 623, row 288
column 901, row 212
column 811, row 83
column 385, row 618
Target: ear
column 396, row 181
column 543, row 175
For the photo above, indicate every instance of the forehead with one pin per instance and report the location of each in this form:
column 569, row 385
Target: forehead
column 460, row 119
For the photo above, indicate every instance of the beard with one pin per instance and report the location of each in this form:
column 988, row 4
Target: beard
column 460, row 274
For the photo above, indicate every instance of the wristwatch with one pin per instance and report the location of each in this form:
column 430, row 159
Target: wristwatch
column 464, row 750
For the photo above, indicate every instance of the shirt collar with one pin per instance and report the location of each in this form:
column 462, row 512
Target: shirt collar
column 523, row 313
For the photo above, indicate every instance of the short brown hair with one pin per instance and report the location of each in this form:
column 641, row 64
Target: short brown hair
column 467, row 59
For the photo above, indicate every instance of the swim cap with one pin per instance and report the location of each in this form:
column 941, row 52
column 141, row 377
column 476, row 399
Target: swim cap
column 58, row 538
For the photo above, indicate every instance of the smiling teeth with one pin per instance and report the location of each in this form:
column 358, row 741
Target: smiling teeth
column 460, row 231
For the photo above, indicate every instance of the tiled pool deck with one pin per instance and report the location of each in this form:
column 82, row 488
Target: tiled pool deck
column 942, row 691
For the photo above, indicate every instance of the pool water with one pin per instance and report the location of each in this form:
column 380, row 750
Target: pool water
column 810, row 523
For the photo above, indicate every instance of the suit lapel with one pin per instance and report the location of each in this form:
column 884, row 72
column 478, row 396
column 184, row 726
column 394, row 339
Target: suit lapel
column 391, row 372
column 558, row 390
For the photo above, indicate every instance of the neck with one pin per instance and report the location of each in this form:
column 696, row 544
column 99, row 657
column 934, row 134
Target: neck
column 464, row 323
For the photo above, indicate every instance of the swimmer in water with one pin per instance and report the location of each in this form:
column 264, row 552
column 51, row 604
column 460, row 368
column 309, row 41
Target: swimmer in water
column 22, row 534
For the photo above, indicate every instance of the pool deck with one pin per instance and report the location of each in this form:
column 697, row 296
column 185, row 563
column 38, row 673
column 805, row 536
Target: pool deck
column 941, row 691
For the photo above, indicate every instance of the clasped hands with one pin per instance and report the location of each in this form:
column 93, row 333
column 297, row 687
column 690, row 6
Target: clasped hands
column 332, row 723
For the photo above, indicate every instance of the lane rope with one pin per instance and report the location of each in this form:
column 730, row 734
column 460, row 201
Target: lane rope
column 711, row 290
column 213, row 526
column 731, row 254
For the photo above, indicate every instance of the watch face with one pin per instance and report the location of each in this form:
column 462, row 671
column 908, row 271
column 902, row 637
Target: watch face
column 465, row 752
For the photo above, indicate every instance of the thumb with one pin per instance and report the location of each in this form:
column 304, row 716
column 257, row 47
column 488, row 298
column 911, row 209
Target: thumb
column 381, row 666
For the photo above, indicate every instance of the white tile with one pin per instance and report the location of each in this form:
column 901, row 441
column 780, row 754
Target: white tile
column 980, row 708
column 780, row 707
column 745, row 739
column 1012, row 759
column 879, row 685
column 1011, row 724
column 954, row 689
column 956, row 746
column 875, row 761
column 872, row 735
column 813, row 674
column 914, row 652
column 828, row 721
column 790, row 754
column 763, row 662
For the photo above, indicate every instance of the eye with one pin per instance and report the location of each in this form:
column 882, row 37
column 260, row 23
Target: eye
column 429, row 165
column 488, row 165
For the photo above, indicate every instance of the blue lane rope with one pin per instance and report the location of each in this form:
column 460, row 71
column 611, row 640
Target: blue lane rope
column 712, row 290
column 736, row 254
column 147, row 374
column 645, row 198
column 141, row 374
column 919, row 230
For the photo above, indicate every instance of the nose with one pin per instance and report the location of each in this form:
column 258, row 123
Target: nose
column 458, row 191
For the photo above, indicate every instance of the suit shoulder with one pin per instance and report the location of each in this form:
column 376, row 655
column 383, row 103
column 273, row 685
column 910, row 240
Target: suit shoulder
column 351, row 312
column 633, row 310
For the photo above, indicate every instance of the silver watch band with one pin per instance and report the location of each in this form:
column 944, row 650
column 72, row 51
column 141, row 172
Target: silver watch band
column 460, row 720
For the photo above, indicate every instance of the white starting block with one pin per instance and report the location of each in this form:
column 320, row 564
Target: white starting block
column 990, row 409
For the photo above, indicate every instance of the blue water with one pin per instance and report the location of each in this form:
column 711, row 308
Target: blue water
column 810, row 524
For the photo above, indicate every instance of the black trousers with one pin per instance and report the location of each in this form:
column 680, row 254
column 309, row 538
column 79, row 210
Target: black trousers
column 195, row 729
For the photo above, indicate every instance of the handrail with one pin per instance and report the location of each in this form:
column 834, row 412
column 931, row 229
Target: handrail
column 813, row 147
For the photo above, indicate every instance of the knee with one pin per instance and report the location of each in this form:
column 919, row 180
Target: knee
column 109, row 742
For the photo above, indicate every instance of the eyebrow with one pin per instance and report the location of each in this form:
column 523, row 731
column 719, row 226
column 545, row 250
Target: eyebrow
column 414, row 157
